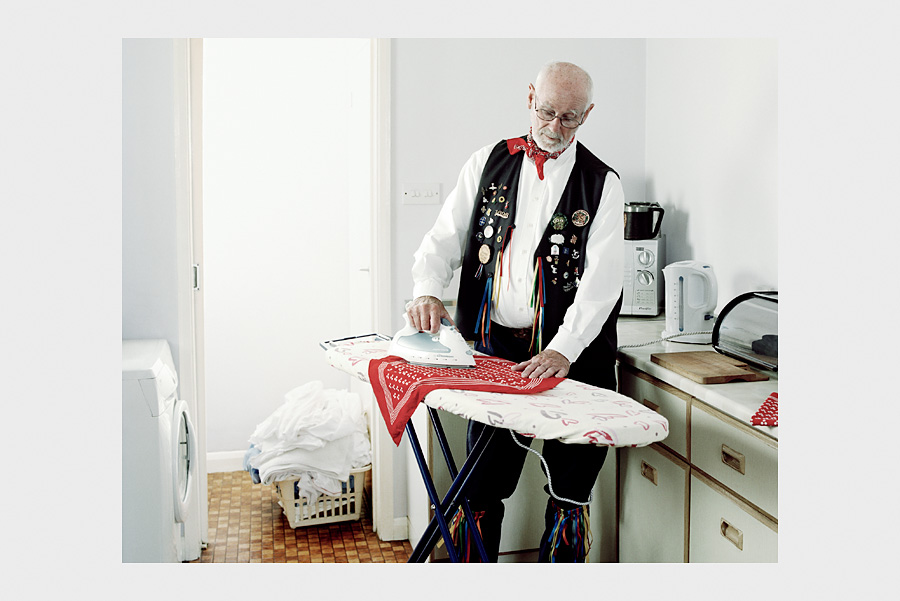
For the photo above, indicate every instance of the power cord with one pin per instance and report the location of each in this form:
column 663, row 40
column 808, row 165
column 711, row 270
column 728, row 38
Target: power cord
column 662, row 339
column 547, row 471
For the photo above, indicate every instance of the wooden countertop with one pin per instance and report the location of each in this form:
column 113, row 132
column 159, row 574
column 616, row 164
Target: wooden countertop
column 740, row 400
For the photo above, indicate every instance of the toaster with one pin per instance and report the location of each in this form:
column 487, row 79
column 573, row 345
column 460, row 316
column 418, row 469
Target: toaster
column 747, row 329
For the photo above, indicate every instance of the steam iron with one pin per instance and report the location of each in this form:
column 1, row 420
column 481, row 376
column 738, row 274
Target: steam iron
column 447, row 348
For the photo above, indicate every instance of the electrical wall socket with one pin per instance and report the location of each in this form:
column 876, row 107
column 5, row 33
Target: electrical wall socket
column 421, row 194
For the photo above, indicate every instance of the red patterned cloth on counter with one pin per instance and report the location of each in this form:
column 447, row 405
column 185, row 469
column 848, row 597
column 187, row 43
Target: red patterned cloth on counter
column 399, row 386
column 767, row 414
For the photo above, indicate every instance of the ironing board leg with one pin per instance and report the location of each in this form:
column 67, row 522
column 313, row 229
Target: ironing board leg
column 451, row 500
column 432, row 493
column 451, row 467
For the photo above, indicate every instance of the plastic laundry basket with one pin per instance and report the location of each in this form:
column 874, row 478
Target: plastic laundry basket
column 326, row 508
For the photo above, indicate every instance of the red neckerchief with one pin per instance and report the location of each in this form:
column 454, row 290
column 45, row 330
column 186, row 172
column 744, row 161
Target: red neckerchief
column 533, row 152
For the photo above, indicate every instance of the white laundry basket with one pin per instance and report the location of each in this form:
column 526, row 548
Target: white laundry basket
column 326, row 508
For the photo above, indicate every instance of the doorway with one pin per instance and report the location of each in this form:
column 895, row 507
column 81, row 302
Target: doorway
column 292, row 184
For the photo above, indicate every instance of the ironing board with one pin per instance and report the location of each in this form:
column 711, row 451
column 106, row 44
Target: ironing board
column 572, row 412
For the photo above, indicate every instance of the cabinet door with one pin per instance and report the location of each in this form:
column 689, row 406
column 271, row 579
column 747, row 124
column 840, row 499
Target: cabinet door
column 653, row 497
column 742, row 459
column 670, row 402
column 724, row 529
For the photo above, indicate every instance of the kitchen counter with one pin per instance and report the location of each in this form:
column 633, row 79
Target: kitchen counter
column 740, row 400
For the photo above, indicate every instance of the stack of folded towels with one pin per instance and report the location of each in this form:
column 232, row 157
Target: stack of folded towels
column 316, row 437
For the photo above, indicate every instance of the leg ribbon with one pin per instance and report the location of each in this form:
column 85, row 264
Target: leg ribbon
column 567, row 536
column 460, row 532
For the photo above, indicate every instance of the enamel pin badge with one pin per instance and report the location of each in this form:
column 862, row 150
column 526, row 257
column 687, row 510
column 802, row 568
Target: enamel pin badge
column 581, row 217
column 558, row 221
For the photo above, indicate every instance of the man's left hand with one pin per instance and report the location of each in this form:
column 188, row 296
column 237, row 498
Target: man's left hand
column 546, row 364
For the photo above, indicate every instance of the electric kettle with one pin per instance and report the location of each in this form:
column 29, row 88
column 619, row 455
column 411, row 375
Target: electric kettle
column 691, row 295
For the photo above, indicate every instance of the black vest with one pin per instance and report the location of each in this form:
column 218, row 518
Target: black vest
column 561, row 253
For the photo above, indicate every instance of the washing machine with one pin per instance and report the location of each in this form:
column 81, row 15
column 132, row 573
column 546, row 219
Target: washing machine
column 159, row 459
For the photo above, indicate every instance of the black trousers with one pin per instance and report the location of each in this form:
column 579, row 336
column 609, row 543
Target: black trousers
column 573, row 467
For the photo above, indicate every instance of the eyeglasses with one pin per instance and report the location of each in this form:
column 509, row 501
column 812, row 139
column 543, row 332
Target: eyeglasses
column 568, row 120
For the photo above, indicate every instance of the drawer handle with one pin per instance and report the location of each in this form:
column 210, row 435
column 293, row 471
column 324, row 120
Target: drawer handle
column 732, row 534
column 733, row 459
column 648, row 472
column 651, row 405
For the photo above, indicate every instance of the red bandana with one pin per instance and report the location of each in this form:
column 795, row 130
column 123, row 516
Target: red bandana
column 532, row 152
column 399, row 387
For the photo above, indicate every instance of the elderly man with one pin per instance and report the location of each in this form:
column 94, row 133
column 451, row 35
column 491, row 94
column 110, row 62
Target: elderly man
column 535, row 223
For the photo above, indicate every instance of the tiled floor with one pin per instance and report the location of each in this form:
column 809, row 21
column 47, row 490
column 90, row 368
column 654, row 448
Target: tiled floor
column 246, row 525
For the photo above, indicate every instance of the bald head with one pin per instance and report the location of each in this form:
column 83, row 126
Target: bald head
column 566, row 77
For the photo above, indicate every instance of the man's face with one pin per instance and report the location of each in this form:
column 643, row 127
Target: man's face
column 567, row 101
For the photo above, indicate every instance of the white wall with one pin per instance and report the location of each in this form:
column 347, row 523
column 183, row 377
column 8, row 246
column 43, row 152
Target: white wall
column 149, row 258
column 712, row 156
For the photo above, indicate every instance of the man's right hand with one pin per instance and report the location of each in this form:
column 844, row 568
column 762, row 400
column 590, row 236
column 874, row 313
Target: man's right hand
column 425, row 314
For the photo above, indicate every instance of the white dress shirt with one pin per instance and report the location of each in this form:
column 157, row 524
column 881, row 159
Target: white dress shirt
column 599, row 286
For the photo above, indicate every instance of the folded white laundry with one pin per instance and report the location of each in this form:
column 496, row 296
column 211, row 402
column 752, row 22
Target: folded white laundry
column 332, row 460
column 316, row 437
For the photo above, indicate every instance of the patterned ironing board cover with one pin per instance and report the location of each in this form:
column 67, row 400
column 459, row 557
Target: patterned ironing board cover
column 572, row 412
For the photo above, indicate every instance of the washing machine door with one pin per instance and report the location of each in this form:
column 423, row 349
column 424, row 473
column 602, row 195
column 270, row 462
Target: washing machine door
column 184, row 454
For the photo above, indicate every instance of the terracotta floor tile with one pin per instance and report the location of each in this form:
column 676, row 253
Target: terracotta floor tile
column 246, row 525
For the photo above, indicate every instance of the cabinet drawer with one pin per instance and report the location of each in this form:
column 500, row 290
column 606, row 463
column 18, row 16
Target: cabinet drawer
column 724, row 529
column 730, row 452
column 667, row 400
column 653, row 497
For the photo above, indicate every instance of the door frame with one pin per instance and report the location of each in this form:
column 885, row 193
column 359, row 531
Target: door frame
column 385, row 524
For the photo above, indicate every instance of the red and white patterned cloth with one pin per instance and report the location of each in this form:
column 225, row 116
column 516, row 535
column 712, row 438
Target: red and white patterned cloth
column 767, row 414
column 571, row 412
column 399, row 386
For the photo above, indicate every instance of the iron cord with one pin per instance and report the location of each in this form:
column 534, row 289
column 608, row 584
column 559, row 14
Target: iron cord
column 547, row 471
column 662, row 339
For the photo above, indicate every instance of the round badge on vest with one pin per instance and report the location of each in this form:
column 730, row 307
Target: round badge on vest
column 484, row 254
column 558, row 221
column 581, row 217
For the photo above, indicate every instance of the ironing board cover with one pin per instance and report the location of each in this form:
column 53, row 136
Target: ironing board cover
column 572, row 412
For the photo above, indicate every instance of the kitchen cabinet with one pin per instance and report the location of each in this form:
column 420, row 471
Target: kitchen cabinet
column 725, row 529
column 652, row 523
column 709, row 491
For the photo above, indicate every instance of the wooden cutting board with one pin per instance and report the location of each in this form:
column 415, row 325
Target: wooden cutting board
column 707, row 367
